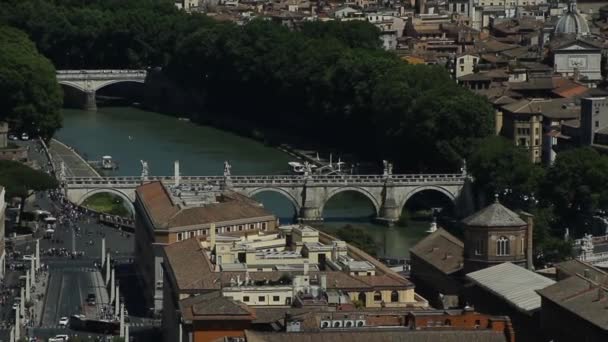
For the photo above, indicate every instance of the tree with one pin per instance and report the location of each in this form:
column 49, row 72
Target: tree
column 32, row 98
column 501, row 168
column 19, row 180
column 358, row 238
column 576, row 187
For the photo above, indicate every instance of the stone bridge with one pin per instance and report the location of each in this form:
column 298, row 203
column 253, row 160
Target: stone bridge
column 308, row 194
column 89, row 81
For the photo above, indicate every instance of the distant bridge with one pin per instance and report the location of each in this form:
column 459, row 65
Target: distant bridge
column 308, row 194
column 89, row 81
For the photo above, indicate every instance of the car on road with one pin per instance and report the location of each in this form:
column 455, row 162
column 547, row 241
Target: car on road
column 12, row 137
column 25, row 136
column 59, row 338
column 91, row 299
column 28, row 257
column 63, row 322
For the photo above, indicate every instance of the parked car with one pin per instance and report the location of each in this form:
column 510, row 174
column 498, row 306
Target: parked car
column 12, row 137
column 63, row 322
column 91, row 299
column 25, row 136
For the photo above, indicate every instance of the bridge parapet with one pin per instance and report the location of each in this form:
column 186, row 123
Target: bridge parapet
column 280, row 180
column 66, row 75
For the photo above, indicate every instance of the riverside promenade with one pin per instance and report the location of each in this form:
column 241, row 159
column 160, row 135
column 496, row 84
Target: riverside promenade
column 75, row 165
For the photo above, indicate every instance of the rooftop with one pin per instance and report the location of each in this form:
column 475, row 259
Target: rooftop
column 494, row 215
column 392, row 335
column 583, row 297
column 514, row 284
column 166, row 211
column 442, row 250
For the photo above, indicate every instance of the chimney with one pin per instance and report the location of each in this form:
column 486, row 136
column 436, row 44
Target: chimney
column 212, row 236
column 529, row 240
column 305, row 267
column 586, row 273
column 176, row 172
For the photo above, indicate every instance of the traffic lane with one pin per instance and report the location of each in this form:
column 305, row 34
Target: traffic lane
column 88, row 239
column 65, row 294
column 52, row 296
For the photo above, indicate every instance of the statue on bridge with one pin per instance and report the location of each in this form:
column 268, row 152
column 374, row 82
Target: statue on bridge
column 388, row 168
column 62, row 171
column 144, row 169
column 227, row 168
column 463, row 169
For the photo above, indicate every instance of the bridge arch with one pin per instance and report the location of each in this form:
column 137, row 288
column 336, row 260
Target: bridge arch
column 375, row 201
column 447, row 193
column 116, row 192
column 285, row 193
column 110, row 82
column 74, row 85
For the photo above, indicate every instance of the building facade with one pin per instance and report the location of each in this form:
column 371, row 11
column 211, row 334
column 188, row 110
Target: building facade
column 295, row 268
column 164, row 216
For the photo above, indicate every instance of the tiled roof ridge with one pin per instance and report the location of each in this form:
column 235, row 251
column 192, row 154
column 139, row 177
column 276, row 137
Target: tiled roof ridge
column 592, row 287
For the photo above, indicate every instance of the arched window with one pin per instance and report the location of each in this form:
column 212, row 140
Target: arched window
column 394, row 296
column 503, row 246
column 362, row 298
column 377, row 296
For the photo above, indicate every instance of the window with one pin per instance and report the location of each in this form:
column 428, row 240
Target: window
column 461, row 61
column 394, row 296
column 597, row 124
column 240, row 227
column 263, row 225
column 503, row 246
column 461, row 7
column 246, row 299
column 275, row 298
column 447, row 322
column 536, row 142
column 251, row 226
column 377, row 296
column 480, row 247
column 228, row 229
column 261, row 299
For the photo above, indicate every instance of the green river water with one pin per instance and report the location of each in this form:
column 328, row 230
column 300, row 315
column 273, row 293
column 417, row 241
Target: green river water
column 202, row 150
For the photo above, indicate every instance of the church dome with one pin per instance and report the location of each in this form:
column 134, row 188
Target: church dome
column 572, row 22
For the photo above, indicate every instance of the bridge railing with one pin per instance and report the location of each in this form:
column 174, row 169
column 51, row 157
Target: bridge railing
column 276, row 179
column 94, row 72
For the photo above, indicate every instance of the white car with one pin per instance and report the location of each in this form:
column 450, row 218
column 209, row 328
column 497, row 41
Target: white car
column 59, row 338
column 28, row 257
column 12, row 137
column 25, row 136
column 63, row 322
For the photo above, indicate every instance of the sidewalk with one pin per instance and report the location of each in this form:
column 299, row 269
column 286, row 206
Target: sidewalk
column 38, row 295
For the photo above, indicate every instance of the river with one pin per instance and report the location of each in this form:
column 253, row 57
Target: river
column 130, row 135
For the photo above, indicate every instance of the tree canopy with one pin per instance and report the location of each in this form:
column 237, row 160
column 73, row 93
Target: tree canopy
column 18, row 179
column 500, row 168
column 31, row 98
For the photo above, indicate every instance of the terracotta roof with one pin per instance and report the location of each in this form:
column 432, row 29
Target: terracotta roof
column 582, row 298
column 441, row 250
column 494, row 215
column 167, row 214
column 213, row 306
column 379, row 335
column 190, row 266
column 157, row 202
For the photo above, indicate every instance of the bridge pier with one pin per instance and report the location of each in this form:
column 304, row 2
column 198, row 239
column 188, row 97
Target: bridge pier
column 90, row 102
column 310, row 212
column 390, row 211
